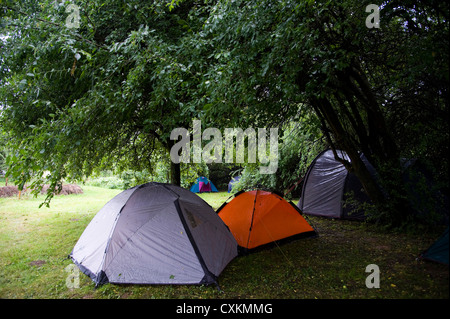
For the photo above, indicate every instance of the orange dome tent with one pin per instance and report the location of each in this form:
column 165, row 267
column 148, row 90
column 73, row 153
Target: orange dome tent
column 257, row 218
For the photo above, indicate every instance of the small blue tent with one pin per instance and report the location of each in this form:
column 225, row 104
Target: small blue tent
column 202, row 184
column 233, row 181
column 438, row 251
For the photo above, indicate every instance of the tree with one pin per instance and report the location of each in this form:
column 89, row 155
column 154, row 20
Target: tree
column 277, row 56
column 109, row 91
column 105, row 94
column 3, row 153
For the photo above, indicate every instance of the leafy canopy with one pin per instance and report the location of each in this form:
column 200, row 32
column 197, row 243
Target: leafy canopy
column 106, row 94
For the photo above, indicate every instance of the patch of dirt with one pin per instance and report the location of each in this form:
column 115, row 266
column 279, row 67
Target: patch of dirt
column 37, row 263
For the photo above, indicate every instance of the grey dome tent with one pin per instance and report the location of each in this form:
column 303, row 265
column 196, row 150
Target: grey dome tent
column 155, row 234
column 326, row 185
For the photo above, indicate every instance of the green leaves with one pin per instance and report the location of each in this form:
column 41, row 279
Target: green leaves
column 106, row 94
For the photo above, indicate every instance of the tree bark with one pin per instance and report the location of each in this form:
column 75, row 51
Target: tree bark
column 175, row 168
column 325, row 111
column 390, row 195
column 175, row 173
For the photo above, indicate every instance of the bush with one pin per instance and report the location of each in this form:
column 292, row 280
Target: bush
column 10, row 191
column 111, row 182
column 65, row 189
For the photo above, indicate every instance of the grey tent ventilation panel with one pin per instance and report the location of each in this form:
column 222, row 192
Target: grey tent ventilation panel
column 155, row 234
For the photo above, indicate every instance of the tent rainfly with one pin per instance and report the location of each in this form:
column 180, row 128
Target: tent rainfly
column 155, row 234
column 260, row 218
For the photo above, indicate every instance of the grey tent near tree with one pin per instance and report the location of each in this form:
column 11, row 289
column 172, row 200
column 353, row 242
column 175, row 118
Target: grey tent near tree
column 330, row 190
column 326, row 186
column 155, row 234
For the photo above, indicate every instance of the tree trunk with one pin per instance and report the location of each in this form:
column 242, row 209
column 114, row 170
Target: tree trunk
column 329, row 118
column 392, row 197
column 175, row 173
column 175, row 168
column 367, row 180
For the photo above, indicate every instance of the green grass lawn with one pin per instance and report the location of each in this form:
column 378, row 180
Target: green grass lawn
column 35, row 242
